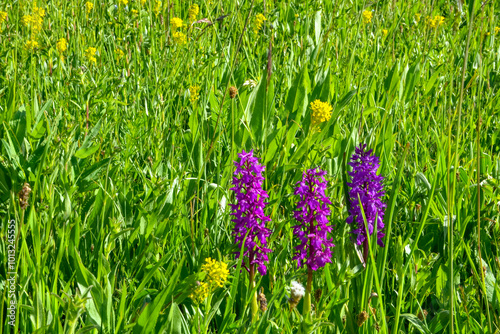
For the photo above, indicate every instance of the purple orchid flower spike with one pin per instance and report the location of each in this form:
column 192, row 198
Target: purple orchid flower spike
column 314, row 249
column 249, row 214
column 368, row 186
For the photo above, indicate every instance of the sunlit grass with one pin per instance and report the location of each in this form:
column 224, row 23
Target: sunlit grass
column 124, row 120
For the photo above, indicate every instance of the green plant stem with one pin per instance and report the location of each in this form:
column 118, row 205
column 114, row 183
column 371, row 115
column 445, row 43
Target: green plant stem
column 415, row 244
column 374, row 266
column 254, row 305
column 478, row 126
column 306, row 311
column 452, row 193
column 389, row 219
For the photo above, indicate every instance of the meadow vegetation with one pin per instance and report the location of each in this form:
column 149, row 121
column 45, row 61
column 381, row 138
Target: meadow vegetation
column 121, row 122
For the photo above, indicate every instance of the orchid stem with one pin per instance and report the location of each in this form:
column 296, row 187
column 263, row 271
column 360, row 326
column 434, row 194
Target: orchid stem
column 306, row 313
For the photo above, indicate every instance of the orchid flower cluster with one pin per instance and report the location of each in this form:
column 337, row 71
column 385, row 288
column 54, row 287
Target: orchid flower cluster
column 249, row 217
column 315, row 248
column 367, row 186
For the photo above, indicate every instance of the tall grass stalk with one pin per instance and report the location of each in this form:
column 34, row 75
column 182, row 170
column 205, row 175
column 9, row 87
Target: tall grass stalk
column 451, row 191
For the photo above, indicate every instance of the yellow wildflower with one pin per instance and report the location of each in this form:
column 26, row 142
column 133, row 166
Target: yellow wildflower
column 157, row 7
column 89, row 6
column 119, row 53
column 417, row 17
column 200, row 293
column 176, row 23
column 194, row 92
column 90, row 54
column 26, row 20
column 62, row 45
column 193, row 12
column 385, row 32
column 321, row 112
column 3, row 16
column 31, row 45
column 179, row 37
column 143, row 2
column 257, row 24
column 497, row 30
column 217, row 272
column 34, row 21
column 123, row 2
column 367, row 16
column 134, row 12
column 436, row 21
column 439, row 20
column 38, row 11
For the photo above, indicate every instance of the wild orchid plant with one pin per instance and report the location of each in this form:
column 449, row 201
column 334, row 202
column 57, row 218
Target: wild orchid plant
column 314, row 249
column 250, row 229
column 366, row 191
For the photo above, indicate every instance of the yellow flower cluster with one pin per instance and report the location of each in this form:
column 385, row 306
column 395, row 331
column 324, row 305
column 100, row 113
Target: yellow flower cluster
column 200, row 293
column 367, row 16
column 436, row 21
column 123, row 2
column 157, row 7
column 194, row 92
column 385, row 32
column 143, row 2
column 31, row 45
column 216, row 276
column 417, row 17
column 89, row 6
column 3, row 16
column 217, row 272
column 257, row 23
column 34, row 22
column 90, row 54
column 193, row 12
column 25, row 20
column 177, row 36
column 119, row 53
column 321, row 112
column 62, row 45
column 176, row 23
column 134, row 12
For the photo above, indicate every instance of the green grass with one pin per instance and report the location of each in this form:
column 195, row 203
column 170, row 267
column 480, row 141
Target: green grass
column 131, row 176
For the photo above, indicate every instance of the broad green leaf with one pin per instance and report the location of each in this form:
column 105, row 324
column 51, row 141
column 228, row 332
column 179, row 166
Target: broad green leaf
column 86, row 149
column 417, row 323
column 430, row 84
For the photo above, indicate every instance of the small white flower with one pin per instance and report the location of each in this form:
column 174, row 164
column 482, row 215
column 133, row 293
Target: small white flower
column 250, row 83
column 297, row 290
column 485, row 181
